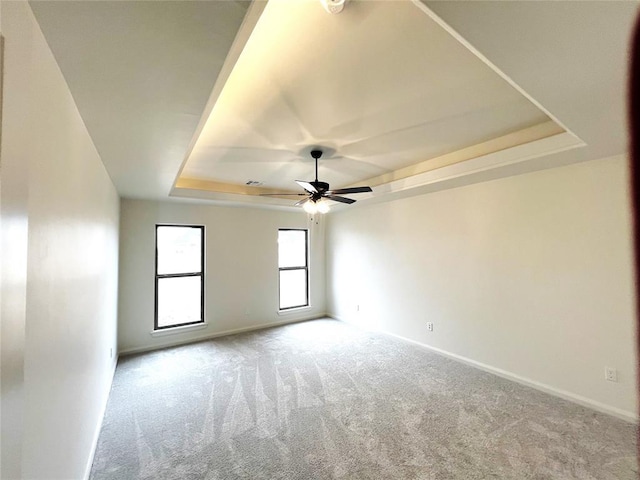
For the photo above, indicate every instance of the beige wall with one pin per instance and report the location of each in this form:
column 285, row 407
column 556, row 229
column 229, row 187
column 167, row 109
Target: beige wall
column 241, row 269
column 530, row 276
column 59, row 218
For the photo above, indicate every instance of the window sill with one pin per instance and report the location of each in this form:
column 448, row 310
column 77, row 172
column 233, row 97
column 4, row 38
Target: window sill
column 176, row 330
column 291, row 311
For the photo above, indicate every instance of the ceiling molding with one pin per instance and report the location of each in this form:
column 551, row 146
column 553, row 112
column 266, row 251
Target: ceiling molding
column 522, row 137
column 510, row 156
column 234, row 199
column 547, row 145
column 220, row 187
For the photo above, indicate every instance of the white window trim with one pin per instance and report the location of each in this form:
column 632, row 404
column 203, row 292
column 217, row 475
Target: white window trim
column 177, row 330
column 291, row 311
column 285, row 311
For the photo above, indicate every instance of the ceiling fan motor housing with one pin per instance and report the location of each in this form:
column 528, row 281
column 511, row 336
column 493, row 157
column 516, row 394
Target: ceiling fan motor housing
column 320, row 186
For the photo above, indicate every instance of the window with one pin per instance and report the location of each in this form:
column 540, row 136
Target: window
column 179, row 275
column 293, row 268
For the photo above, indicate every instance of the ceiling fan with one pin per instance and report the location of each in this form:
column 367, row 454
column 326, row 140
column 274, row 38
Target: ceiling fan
column 317, row 192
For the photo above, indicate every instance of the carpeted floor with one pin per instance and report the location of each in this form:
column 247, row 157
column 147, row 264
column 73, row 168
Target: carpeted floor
column 324, row 400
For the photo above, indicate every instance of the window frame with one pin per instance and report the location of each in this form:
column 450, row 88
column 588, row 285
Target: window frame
column 201, row 274
column 305, row 268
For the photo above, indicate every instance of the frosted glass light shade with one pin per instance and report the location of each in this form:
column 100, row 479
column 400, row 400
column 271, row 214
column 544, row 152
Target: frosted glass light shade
column 310, row 207
column 323, row 206
column 320, row 206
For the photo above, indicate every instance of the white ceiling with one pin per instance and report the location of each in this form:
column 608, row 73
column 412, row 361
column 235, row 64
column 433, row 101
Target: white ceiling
column 141, row 73
column 407, row 96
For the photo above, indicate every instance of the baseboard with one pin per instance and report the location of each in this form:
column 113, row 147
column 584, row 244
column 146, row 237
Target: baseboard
column 96, row 435
column 207, row 336
column 556, row 392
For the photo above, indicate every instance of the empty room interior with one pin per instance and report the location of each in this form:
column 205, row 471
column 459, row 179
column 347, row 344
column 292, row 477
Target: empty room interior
column 309, row 239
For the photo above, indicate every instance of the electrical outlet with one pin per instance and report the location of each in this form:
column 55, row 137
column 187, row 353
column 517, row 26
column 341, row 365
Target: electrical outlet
column 111, row 353
column 430, row 326
column 610, row 374
column 357, row 308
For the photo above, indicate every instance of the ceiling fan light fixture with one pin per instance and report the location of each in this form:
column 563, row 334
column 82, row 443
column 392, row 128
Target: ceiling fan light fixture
column 323, row 206
column 310, row 207
column 316, row 206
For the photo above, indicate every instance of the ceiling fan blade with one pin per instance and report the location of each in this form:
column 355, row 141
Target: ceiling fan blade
column 350, row 190
column 301, row 202
column 280, row 194
column 340, row 199
column 307, row 186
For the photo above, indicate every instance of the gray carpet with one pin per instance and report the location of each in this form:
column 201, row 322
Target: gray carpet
column 323, row 400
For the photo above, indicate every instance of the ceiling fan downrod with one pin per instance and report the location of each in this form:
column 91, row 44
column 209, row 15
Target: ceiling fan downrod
column 316, row 154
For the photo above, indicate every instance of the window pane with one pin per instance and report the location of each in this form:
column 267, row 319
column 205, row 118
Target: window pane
column 179, row 300
column 179, row 250
column 292, row 251
column 293, row 288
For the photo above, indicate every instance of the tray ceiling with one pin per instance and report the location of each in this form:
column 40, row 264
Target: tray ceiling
column 194, row 99
column 382, row 86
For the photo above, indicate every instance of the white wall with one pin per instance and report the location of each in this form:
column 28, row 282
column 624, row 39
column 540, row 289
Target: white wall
column 63, row 255
column 241, row 271
column 13, row 270
column 530, row 274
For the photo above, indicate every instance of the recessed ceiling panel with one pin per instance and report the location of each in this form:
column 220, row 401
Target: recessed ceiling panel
column 382, row 84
